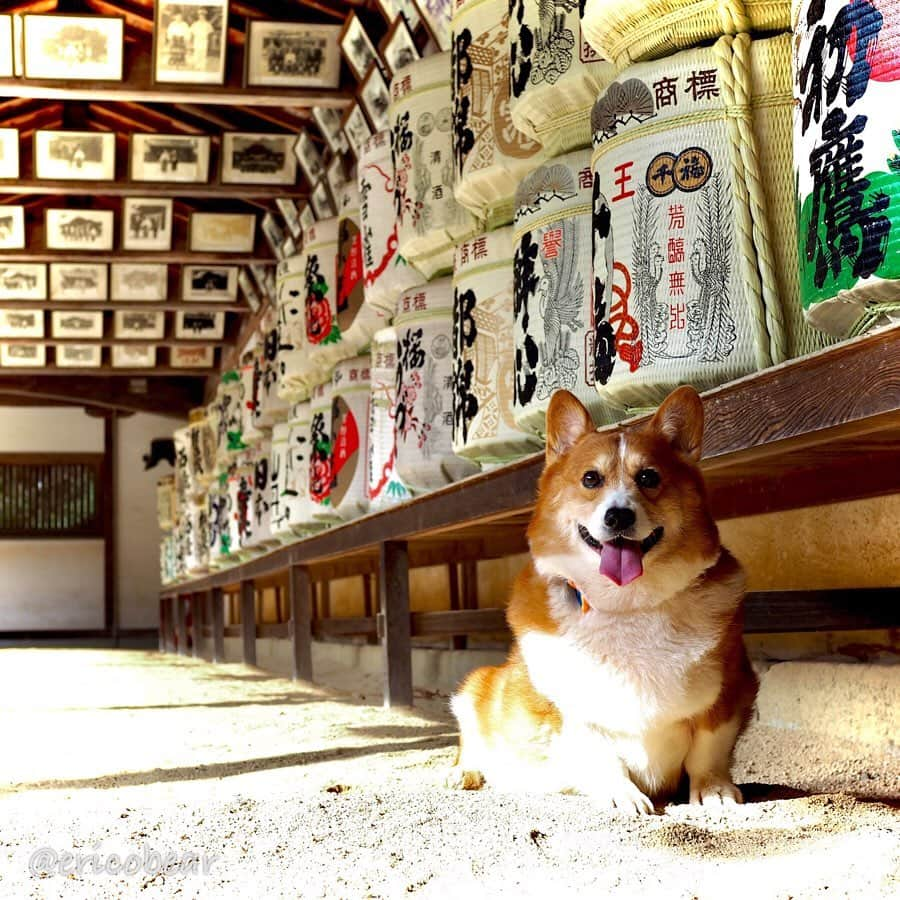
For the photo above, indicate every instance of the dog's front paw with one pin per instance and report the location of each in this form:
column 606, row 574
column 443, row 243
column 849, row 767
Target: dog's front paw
column 623, row 795
column 460, row 779
column 714, row 790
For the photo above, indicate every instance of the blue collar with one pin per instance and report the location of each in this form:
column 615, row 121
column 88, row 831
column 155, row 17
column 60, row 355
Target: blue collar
column 575, row 595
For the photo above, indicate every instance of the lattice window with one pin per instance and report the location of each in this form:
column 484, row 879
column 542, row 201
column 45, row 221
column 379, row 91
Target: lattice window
column 56, row 495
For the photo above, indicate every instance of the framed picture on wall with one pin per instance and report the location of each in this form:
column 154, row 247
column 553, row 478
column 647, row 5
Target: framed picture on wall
column 308, row 156
column 307, row 216
column 139, row 325
column 169, row 157
column 79, row 281
column 248, row 289
column 336, row 176
column 9, row 152
column 147, row 223
column 189, row 41
column 375, row 97
column 328, row 120
column 77, row 324
column 23, row 281
column 22, row 323
column 321, row 200
column 398, row 49
column 192, row 357
column 125, row 357
column 356, row 47
column 209, row 282
column 68, row 47
column 7, row 70
column 12, row 227
column 78, row 155
column 390, row 9
column 78, row 229
column 356, row 128
column 200, row 326
column 30, row 356
column 249, row 158
column 273, row 233
column 139, row 281
column 290, row 214
column 79, row 356
column 291, row 54
column 222, row 232
column 436, row 19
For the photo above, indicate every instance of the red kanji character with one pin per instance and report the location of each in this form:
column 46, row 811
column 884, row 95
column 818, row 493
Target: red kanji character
column 622, row 181
column 479, row 248
column 677, row 319
column 552, row 241
column 585, row 177
column 676, row 284
column 676, row 216
column 676, row 250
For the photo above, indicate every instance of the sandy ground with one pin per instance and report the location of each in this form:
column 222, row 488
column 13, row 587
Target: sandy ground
column 294, row 791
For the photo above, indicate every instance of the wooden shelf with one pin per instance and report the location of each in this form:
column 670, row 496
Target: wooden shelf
column 107, row 371
column 129, row 305
column 115, row 342
column 152, row 189
column 805, row 416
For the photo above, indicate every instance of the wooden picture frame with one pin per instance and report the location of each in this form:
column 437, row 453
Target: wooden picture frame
column 391, row 9
column 307, row 217
column 79, row 229
column 169, row 157
column 436, row 15
column 254, row 158
column 222, row 232
column 356, row 128
column 79, row 281
column 79, row 356
column 212, row 282
column 356, row 47
column 307, row 154
column 328, row 121
column 200, row 326
column 68, row 47
column 12, row 227
column 273, row 233
column 147, row 223
column 133, row 357
column 322, row 202
column 140, row 282
column 291, row 54
column 9, row 152
column 7, row 48
column 184, row 50
column 249, row 290
column 374, row 97
column 25, row 356
column 192, row 357
column 291, row 215
column 398, row 47
column 139, row 325
column 336, row 175
column 26, row 322
column 23, row 281
column 75, row 155
column 77, row 324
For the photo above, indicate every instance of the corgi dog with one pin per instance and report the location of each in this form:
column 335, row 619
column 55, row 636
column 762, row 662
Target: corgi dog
column 628, row 670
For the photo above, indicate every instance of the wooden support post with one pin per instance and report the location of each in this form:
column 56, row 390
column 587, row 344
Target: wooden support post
column 301, row 597
column 325, row 599
column 457, row 641
column 163, row 602
column 171, row 625
column 470, row 584
column 248, row 621
column 196, row 623
column 393, row 592
column 181, row 619
column 218, row 625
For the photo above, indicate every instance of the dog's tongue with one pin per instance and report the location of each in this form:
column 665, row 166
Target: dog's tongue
column 621, row 561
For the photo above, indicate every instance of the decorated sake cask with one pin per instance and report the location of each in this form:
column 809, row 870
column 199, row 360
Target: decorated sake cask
column 197, row 559
column 385, row 271
column 384, row 485
column 279, row 502
column 235, row 509
column 627, row 31
column 686, row 291
column 261, row 510
column 847, row 154
column 301, row 508
column 490, row 154
column 555, row 75
column 321, row 476
column 270, row 407
column 230, row 434
column 484, row 426
column 430, row 221
column 251, row 433
column 201, row 451
column 165, row 502
column 423, row 416
column 243, row 505
column 350, row 389
column 554, row 333
column 293, row 354
column 217, row 522
column 185, row 487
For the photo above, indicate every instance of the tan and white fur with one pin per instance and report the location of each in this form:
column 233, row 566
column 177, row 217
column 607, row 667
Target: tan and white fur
column 649, row 681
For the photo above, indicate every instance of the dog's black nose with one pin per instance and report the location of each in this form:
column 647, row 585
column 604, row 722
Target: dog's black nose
column 619, row 518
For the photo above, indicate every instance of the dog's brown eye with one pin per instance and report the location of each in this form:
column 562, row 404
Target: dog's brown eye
column 647, row 478
column 592, row 479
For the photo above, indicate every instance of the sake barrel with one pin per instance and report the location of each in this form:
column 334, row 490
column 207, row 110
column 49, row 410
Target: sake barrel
column 231, row 434
column 167, row 559
column 197, row 560
column 429, row 219
column 626, row 31
column 279, row 501
column 555, row 75
column 357, row 318
column 320, row 471
column 250, row 432
column 554, row 337
column 490, row 154
column 689, row 294
column 484, row 427
column 423, row 415
column 293, row 361
column 270, row 408
column 243, row 507
column 301, row 507
column 384, row 485
column 185, row 487
column 231, row 532
column 385, row 272
column 213, row 419
column 165, row 502
column 261, row 512
column 181, row 539
column 350, row 388
column 217, row 521
column 201, row 450
column 847, row 153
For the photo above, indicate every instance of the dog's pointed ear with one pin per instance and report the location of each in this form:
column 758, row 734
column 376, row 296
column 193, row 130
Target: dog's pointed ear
column 567, row 422
column 680, row 421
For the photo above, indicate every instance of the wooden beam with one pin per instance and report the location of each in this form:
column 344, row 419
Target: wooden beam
column 459, row 622
column 214, row 191
column 133, row 256
column 108, row 371
column 196, row 622
column 217, row 601
column 114, row 342
column 852, row 609
column 300, row 589
column 108, row 494
column 346, row 626
column 393, row 580
column 129, row 305
column 248, row 621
